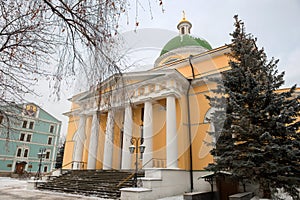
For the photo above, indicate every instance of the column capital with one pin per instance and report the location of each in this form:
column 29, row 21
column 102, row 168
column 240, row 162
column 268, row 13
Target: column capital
column 171, row 94
column 147, row 99
column 83, row 115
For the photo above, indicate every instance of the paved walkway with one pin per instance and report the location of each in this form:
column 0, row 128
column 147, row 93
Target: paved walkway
column 13, row 189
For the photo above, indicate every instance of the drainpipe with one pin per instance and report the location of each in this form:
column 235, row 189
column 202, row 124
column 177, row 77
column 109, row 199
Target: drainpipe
column 189, row 124
column 190, row 61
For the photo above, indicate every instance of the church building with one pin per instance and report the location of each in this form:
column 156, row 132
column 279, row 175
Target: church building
column 163, row 111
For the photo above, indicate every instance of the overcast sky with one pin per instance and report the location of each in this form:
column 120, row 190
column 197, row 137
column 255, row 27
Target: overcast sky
column 275, row 23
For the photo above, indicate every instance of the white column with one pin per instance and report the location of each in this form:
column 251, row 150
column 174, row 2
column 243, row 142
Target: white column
column 127, row 134
column 93, row 147
column 148, row 134
column 79, row 138
column 172, row 148
column 109, row 141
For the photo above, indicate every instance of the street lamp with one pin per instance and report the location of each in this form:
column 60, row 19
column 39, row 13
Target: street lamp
column 135, row 149
column 41, row 154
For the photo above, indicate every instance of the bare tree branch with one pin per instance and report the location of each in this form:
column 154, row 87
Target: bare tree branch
column 40, row 36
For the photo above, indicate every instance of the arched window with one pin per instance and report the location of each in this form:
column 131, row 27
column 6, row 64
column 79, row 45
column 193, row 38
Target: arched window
column 19, row 151
column 45, row 168
column 182, row 30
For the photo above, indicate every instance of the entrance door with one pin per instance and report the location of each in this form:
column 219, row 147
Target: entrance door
column 20, row 167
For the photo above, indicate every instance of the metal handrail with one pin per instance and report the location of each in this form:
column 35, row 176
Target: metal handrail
column 132, row 174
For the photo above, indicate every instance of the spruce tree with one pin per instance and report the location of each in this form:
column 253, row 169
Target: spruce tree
column 255, row 122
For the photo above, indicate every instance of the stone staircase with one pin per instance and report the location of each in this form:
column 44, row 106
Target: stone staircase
column 100, row 183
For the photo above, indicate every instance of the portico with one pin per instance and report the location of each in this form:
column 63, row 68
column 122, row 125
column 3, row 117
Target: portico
column 148, row 100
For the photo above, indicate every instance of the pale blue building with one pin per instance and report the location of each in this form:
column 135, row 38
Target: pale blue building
column 33, row 131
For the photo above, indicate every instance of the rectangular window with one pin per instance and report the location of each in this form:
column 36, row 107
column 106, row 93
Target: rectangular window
column 26, row 153
column 49, row 140
column 47, row 154
column 45, row 168
column 51, row 129
column 22, row 136
column 28, row 139
column 31, row 125
column 19, row 151
column 24, row 125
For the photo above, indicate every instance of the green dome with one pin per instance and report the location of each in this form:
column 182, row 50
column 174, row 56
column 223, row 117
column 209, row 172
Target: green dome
column 183, row 41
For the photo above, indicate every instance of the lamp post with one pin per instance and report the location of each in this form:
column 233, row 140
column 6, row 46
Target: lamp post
column 135, row 149
column 41, row 154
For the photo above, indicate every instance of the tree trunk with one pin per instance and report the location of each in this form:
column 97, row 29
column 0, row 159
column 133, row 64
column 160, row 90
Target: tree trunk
column 266, row 191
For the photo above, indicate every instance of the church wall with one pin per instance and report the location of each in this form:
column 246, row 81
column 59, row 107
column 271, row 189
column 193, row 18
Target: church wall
column 182, row 133
column 211, row 65
column 136, row 130
column 69, row 146
column 205, row 65
column 194, row 123
column 159, row 134
column 199, row 107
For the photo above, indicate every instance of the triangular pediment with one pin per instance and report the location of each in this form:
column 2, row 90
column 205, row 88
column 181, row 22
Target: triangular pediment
column 132, row 87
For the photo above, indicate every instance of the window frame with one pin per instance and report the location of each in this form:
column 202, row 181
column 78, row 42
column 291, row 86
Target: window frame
column 22, row 138
column 26, row 150
column 48, row 155
column 51, row 128
column 24, row 124
column 45, row 167
column 30, row 137
column 19, row 152
column 31, row 125
column 50, row 138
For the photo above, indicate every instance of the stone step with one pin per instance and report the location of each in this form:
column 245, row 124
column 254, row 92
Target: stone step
column 102, row 194
column 100, row 183
column 85, row 187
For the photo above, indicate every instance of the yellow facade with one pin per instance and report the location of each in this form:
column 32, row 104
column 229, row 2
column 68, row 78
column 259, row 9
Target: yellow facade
column 179, row 73
column 198, row 109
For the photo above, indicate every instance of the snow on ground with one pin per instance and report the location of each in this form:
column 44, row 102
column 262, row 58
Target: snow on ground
column 6, row 183
column 14, row 189
column 173, row 198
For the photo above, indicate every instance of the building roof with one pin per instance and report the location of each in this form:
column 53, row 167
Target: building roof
column 184, row 41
